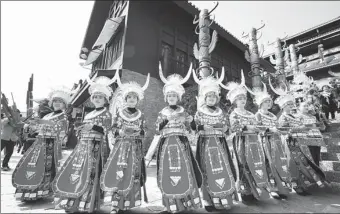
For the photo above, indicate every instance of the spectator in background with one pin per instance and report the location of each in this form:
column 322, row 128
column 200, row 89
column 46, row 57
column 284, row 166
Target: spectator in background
column 328, row 102
column 336, row 91
column 8, row 140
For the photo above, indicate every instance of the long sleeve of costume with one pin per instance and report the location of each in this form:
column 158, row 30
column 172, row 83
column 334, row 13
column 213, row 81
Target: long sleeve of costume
column 235, row 125
column 258, row 119
column 198, row 125
column 105, row 125
column 225, row 121
column 189, row 126
column 143, row 127
column 116, row 125
column 161, row 122
column 283, row 122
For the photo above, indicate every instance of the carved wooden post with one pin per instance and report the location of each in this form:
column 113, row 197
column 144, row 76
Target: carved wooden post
column 279, row 62
column 320, row 52
column 294, row 61
column 253, row 56
column 206, row 44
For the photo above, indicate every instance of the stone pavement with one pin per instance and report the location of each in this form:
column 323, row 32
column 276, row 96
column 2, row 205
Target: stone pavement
column 321, row 201
column 330, row 153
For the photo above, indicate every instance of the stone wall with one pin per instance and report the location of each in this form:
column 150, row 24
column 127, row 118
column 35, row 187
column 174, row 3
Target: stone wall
column 152, row 104
column 330, row 155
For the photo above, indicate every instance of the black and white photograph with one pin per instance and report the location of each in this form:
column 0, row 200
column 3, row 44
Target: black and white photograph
column 160, row 106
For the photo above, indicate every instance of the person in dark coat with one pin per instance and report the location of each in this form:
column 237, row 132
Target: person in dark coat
column 328, row 101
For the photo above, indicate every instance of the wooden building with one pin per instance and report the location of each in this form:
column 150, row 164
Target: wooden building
column 136, row 35
column 319, row 47
column 320, row 54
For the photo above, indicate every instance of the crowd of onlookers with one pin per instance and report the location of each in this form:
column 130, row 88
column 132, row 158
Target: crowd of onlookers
column 324, row 102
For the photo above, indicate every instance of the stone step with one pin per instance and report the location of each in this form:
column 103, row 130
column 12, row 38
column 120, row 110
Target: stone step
column 334, row 127
column 332, row 140
column 330, row 148
column 329, row 166
column 330, row 156
column 331, row 135
column 333, row 176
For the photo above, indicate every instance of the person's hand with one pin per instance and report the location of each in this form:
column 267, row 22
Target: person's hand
column 208, row 127
column 225, row 129
column 189, row 118
column 121, row 133
column 131, row 131
column 85, row 127
column 274, row 130
column 253, row 128
column 181, row 119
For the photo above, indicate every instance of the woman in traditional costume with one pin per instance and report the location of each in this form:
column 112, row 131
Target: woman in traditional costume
column 76, row 185
column 251, row 157
column 303, row 170
column 275, row 149
column 212, row 152
column 124, row 173
column 178, row 174
column 36, row 170
column 314, row 138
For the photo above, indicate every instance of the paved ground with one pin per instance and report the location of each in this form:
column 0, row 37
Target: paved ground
column 322, row 200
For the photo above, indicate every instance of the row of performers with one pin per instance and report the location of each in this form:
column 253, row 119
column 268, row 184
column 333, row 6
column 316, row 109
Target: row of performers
column 243, row 156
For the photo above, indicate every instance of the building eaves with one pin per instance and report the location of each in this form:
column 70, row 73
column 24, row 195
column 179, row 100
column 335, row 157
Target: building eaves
column 313, row 28
column 191, row 8
column 308, row 30
column 314, row 65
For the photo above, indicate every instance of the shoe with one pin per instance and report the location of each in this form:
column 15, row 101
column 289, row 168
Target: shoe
column 5, row 168
column 275, row 195
column 248, row 198
column 282, row 196
column 210, row 208
column 301, row 192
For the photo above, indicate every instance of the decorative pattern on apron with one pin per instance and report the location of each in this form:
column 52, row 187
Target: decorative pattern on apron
column 177, row 170
column 251, row 157
column 276, row 154
column 214, row 159
column 36, row 170
column 76, row 185
column 302, row 167
column 121, row 179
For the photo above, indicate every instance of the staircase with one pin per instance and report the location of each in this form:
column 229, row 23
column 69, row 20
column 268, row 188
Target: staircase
column 330, row 155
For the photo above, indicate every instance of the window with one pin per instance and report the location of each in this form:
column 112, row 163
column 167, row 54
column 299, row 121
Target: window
column 227, row 70
column 181, row 62
column 114, row 49
column 110, row 54
column 166, row 58
column 117, row 8
column 194, row 62
column 234, row 73
column 176, row 49
column 98, row 63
